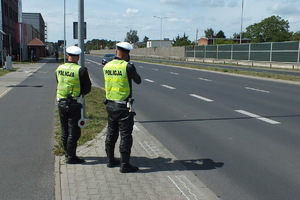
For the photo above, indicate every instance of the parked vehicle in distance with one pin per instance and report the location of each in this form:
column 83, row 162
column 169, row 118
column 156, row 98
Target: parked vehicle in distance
column 107, row 58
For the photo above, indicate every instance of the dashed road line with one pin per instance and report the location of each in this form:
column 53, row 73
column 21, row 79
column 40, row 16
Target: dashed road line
column 154, row 69
column 201, row 97
column 94, row 62
column 149, row 80
column 270, row 121
column 258, row 90
column 169, row 87
column 204, row 79
column 174, row 73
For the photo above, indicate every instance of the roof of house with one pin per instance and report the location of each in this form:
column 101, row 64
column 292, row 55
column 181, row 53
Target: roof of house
column 35, row 42
column 234, row 39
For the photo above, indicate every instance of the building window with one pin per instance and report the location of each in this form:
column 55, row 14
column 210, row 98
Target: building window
column 10, row 13
column 6, row 9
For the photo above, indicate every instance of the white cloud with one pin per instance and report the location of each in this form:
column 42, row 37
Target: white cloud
column 210, row 3
column 131, row 11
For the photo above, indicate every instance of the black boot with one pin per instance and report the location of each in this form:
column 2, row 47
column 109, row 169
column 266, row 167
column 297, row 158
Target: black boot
column 72, row 158
column 126, row 167
column 65, row 151
column 112, row 162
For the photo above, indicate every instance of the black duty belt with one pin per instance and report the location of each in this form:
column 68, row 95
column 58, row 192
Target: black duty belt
column 73, row 100
column 118, row 104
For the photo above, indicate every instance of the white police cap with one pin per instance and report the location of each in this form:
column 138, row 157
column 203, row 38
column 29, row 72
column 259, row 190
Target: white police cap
column 74, row 50
column 124, row 46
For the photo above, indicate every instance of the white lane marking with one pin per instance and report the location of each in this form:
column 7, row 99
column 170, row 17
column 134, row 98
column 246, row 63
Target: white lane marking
column 200, row 97
column 149, row 80
column 94, row 62
column 174, row 73
column 169, row 87
column 135, row 128
column 154, row 69
column 270, row 121
column 5, row 92
column 204, row 79
column 141, row 66
column 185, row 186
column 150, row 148
column 258, row 90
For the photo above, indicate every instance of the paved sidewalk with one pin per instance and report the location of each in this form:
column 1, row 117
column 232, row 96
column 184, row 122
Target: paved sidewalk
column 160, row 177
column 13, row 79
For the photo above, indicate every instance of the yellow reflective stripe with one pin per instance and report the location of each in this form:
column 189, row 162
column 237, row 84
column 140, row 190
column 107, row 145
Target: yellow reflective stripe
column 116, row 79
column 114, row 89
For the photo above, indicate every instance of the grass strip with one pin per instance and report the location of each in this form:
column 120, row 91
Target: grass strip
column 5, row 71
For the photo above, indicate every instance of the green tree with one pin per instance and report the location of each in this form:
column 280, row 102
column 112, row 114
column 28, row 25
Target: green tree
column 145, row 39
column 238, row 35
column 220, row 34
column 132, row 37
column 97, row 44
column 209, row 33
column 271, row 29
column 181, row 41
column 223, row 41
column 296, row 36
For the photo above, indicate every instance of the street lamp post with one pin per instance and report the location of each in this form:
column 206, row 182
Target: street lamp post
column 161, row 26
column 242, row 21
column 64, row 31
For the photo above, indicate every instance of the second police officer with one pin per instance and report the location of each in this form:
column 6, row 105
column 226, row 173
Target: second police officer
column 118, row 76
column 72, row 81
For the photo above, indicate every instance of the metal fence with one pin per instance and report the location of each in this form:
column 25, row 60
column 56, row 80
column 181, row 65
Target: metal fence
column 271, row 52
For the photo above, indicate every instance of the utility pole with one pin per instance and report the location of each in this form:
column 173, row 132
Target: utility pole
column 242, row 21
column 81, row 31
column 82, row 121
column 64, row 49
column 161, row 28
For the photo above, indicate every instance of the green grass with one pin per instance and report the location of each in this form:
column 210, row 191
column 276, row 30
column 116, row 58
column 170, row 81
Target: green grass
column 96, row 120
column 4, row 71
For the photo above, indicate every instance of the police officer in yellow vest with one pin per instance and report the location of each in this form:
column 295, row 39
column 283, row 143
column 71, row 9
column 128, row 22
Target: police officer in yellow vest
column 118, row 76
column 73, row 81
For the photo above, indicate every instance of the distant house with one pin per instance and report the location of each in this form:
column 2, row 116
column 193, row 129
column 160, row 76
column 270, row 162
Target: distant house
column 211, row 41
column 159, row 43
column 37, row 47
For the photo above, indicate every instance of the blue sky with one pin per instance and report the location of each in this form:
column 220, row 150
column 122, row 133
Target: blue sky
column 112, row 19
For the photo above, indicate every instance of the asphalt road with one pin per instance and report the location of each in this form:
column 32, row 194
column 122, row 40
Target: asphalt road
column 27, row 125
column 244, row 131
column 232, row 67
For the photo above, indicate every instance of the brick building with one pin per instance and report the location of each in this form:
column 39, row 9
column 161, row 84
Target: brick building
column 9, row 23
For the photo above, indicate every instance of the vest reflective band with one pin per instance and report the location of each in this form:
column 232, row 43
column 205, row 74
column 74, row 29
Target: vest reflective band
column 68, row 80
column 116, row 81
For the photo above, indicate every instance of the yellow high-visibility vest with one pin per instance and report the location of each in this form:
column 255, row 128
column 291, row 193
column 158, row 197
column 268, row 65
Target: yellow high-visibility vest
column 68, row 80
column 116, row 81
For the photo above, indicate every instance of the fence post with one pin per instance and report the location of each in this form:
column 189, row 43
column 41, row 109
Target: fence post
column 271, row 50
column 231, row 52
column 194, row 52
column 217, row 52
column 249, row 54
column 298, row 53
